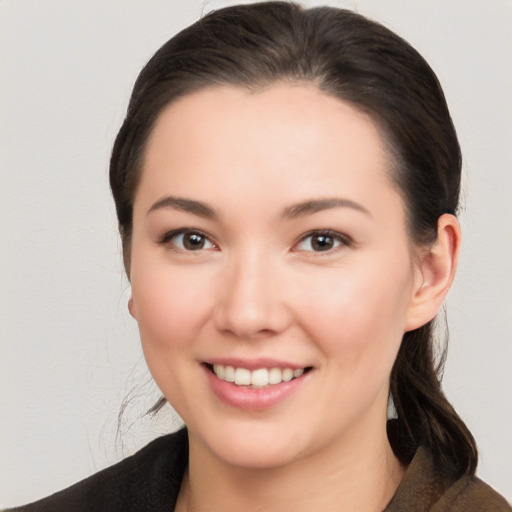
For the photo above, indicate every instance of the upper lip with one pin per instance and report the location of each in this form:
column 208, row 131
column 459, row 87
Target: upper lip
column 254, row 364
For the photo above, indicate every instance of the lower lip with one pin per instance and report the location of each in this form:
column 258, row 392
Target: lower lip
column 253, row 399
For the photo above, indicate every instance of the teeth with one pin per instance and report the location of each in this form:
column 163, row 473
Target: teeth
column 287, row 374
column 242, row 377
column 229, row 374
column 219, row 370
column 258, row 378
column 274, row 376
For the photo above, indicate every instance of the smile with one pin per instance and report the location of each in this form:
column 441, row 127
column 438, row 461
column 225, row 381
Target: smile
column 258, row 378
column 255, row 385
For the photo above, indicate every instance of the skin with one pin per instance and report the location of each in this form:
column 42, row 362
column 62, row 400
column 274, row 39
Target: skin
column 258, row 288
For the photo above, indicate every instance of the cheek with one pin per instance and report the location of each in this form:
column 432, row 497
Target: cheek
column 171, row 309
column 358, row 314
column 171, row 305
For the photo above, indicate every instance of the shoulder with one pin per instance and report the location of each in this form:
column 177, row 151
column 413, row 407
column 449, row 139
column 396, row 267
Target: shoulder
column 470, row 494
column 426, row 487
column 148, row 480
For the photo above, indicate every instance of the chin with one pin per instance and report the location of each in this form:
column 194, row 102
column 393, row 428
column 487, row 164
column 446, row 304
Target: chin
column 254, row 457
column 257, row 446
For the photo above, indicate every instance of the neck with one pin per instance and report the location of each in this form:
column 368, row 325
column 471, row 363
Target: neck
column 352, row 475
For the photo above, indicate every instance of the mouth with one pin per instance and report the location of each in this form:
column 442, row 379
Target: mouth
column 257, row 378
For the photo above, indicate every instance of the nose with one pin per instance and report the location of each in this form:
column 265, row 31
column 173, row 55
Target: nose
column 251, row 301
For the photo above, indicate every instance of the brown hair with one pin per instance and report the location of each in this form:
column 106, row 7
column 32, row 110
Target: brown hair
column 358, row 61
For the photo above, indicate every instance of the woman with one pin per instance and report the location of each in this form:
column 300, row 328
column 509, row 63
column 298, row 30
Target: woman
column 286, row 184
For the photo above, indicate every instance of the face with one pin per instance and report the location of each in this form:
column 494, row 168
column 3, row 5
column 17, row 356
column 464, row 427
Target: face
column 270, row 248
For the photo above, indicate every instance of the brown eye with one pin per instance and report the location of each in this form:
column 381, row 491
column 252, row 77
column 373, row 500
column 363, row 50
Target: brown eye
column 193, row 241
column 322, row 241
column 189, row 240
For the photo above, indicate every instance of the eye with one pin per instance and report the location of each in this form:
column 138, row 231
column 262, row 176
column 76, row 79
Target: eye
column 322, row 241
column 188, row 240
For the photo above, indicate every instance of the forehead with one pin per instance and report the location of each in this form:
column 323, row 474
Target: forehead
column 292, row 137
column 286, row 109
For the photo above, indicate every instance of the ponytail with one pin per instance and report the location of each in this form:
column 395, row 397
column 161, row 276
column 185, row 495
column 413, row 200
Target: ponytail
column 425, row 417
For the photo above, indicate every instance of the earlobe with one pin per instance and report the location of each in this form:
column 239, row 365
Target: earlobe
column 436, row 271
column 131, row 308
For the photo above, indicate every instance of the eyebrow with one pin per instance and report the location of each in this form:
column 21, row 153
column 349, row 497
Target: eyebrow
column 185, row 205
column 317, row 205
column 290, row 212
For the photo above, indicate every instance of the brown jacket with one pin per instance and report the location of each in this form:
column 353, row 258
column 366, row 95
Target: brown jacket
column 150, row 481
column 423, row 488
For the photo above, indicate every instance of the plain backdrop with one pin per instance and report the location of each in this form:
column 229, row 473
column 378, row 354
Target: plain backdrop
column 69, row 352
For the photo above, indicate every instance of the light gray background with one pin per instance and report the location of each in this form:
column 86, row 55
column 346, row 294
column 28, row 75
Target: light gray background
column 69, row 352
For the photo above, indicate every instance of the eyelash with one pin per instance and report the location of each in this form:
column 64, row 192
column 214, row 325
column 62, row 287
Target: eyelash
column 167, row 238
column 341, row 239
column 338, row 238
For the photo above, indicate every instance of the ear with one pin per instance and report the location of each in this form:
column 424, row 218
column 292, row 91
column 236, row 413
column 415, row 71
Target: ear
column 131, row 308
column 436, row 271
